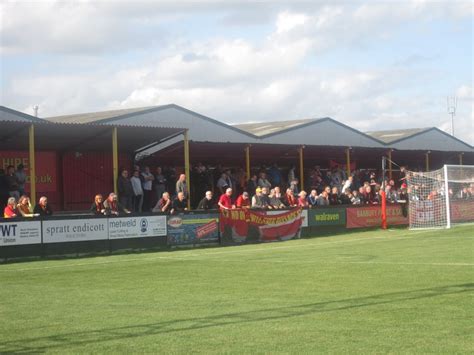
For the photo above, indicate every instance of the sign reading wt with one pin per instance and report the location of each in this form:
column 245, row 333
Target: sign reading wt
column 20, row 233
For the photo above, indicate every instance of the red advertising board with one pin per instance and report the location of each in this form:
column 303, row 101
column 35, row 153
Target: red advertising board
column 462, row 210
column 46, row 176
column 371, row 216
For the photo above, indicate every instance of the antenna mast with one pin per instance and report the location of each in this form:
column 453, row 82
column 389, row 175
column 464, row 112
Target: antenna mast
column 452, row 106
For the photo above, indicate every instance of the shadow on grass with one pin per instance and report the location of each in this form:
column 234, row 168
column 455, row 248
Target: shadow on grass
column 45, row 343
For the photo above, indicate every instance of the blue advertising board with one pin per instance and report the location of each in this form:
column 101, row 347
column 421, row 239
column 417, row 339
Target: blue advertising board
column 193, row 229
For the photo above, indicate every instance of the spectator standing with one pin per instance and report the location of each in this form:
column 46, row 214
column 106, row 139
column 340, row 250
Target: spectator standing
column 263, row 181
column 223, row 183
column 137, row 199
column 12, row 183
column 294, row 187
column 21, row 178
column 274, row 175
column 3, row 189
column 147, row 186
column 43, row 208
column 159, row 183
column 181, row 186
column 125, row 190
column 252, row 184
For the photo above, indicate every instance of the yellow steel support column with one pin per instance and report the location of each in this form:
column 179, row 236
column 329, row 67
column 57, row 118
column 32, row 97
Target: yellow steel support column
column 300, row 151
column 186, row 167
column 31, row 143
column 348, row 161
column 247, row 161
column 390, row 164
column 427, row 161
column 460, row 158
column 115, row 157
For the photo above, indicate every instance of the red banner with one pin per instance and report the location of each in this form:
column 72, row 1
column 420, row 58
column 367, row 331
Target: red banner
column 462, row 210
column 241, row 225
column 45, row 168
column 371, row 216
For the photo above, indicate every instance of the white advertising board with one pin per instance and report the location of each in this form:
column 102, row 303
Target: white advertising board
column 74, row 230
column 136, row 227
column 20, row 233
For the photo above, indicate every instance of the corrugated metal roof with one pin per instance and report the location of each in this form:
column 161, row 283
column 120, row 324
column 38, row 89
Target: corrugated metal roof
column 264, row 128
column 97, row 116
column 10, row 115
column 389, row 136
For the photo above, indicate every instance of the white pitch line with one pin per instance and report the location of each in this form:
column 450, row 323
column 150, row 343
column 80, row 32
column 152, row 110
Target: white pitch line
column 184, row 255
column 350, row 262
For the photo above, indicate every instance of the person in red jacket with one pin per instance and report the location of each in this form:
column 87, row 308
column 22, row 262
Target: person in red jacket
column 243, row 200
column 10, row 210
column 225, row 201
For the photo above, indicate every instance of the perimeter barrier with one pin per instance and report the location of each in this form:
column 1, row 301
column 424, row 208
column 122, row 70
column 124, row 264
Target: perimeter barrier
column 85, row 234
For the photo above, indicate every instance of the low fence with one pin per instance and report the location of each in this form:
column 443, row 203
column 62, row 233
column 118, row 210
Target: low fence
column 78, row 234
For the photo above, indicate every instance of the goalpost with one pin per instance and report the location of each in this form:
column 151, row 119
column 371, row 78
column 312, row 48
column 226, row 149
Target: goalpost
column 439, row 198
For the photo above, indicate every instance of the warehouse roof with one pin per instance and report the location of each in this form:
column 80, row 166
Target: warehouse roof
column 265, row 128
column 8, row 114
column 389, row 136
column 99, row 116
column 73, row 136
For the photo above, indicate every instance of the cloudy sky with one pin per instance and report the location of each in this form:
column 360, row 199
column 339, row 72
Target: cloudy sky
column 370, row 64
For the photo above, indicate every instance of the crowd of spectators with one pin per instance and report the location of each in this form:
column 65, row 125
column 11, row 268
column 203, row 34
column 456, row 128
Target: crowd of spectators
column 165, row 191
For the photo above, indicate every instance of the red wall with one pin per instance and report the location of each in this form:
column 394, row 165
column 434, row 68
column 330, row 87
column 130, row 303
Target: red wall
column 88, row 174
column 46, row 172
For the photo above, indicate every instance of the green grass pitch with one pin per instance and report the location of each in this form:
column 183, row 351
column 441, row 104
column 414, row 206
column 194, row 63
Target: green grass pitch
column 394, row 291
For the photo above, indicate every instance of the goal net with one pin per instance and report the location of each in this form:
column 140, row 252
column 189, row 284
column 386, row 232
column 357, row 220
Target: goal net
column 439, row 198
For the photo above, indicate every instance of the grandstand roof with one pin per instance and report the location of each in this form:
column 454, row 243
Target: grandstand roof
column 430, row 138
column 389, row 136
column 74, row 136
column 266, row 128
column 201, row 128
column 10, row 115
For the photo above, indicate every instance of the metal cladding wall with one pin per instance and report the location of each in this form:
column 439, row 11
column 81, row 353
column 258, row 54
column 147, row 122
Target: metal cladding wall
column 87, row 174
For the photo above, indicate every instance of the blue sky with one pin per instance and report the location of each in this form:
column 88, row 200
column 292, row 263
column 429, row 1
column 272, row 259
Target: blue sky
column 372, row 65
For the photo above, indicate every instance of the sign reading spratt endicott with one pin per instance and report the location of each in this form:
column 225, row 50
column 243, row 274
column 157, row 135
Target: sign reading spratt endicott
column 74, row 230
column 20, row 233
column 327, row 217
column 136, row 227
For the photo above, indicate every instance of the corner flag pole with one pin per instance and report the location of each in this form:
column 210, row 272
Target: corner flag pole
column 383, row 197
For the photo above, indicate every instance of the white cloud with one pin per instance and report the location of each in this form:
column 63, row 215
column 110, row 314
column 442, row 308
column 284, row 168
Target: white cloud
column 287, row 21
column 233, row 79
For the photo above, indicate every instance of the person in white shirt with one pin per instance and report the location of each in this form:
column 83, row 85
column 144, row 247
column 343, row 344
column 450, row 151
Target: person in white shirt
column 137, row 199
column 147, row 185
